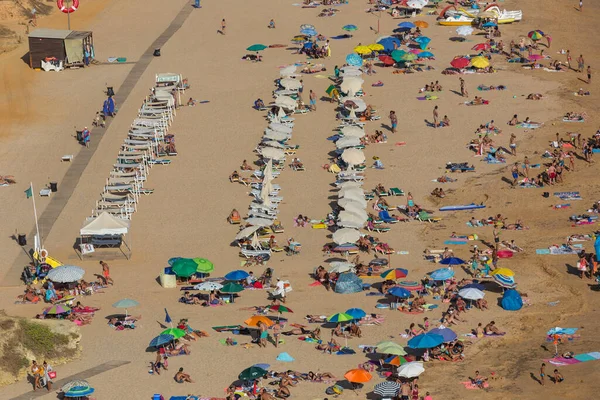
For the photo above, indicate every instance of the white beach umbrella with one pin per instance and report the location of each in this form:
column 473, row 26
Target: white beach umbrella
column 272, row 153
column 350, row 68
column 208, row 286
column 353, row 156
column 346, row 202
column 340, row 266
column 255, row 242
column 286, row 102
column 345, row 191
column 354, row 196
column 287, row 71
column 290, row 84
column 417, row 4
column 267, row 187
column 352, row 84
column 411, row 369
column 351, row 72
column 246, row 232
column 274, row 135
column 351, row 222
column 471, row 294
column 353, row 131
column 344, row 142
column 346, row 235
column 352, row 216
column 356, row 208
column 278, row 127
column 272, row 143
column 284, row 92
column 464, row 30
column 349, row 184
column 260, row 222
column 354, row 103
column 65, row 274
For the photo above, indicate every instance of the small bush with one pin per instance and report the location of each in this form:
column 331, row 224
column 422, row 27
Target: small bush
column 40, row 339
column 7, row 324
column 12, row 361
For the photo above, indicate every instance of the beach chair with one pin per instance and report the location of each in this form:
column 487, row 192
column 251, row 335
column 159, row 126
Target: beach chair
column 386, row 217
column 424, row 216
column 396, row 192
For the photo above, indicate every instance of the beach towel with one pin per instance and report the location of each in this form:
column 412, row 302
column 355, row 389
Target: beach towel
column 345, row 351
column 455, row 242
column 528, row 125
column 568, row 195
column 471, row 385
column 224, row 342
column 227, row 328
column 574, row 120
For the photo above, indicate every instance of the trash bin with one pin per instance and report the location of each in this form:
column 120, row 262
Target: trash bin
column 54, row 187
column 22, row 240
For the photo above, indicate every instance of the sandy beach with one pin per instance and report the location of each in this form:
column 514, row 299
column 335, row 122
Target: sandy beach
column 186, row 215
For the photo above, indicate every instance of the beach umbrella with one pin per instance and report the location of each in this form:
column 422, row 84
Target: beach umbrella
column 471, row 294
column 79, row 391
column 395, row 274
column 57, row 309
column 347, row 142
column 204, row 266
column 388, row 347
column 505, row 281
column 279, row 127
column 354, row 103
column 464, row 30
column 386, row 60
column 231, row 288
column 353, row 156
column 421, row 24
column 395, row 360
column 246, row 232
column 280, row 309
column 387, row 389
column 411, row 370
column 356, row 208
column 423, row 41
column 389, row 43
column 354, row 190
column 460, row 62
column 352, row 84
column 397, row 291
column 340, row 266
column 351, row 221
column 290, row 84
column 273, row 135
column 237, row 275
column 307, row 26
column 480, row 62
column 425, row 341
column 208, row 286
column 252, row 373
column 408, row 57
column 340, row 317
column 356, row 313
column 376, row 47
column 358, row 375
column 273, row 143
column 257, row 47
column 65, row 274
column 175, row 332
column 406, row 25
column 535, row 57
column 442, row 274
column 288, row 70
column 448, row 334
column 353, row 131
column 272, row 153
column 185, row 267
column 161, row 340
column 535, row 35
column 474, row 286
column 349, row 28
column 411, row 286
column 309, row 32
column 489, row 24
column 253, row 321
column 352, row 216
column 425, row 54
column 452, row 261
column 416, row 4
column 397, row 54
column 260, row 222
column 502, row 271
column 351, row 73
column 482, row 47
column 352, row 203
column 76, row 383
column 126, row 303
column 286, row 102
column 362, row 50
column 346, row 235
column 354, row 59
column 353, row 196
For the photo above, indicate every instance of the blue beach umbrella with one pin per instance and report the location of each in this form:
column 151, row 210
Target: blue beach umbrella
column 309, row 32
column 504, row 281
column 308, row 45
column 79, row 391
column 399, row 292
column 452, row 261
column 160, row 340
column 423, row 41
column 442, row 274
column 350, row 27
column 356, row 313
column 447, row 333
column 237, row 275
column 489, row 24
column 388, row 43
column 425, row 54
column 407, row 25
column 425, row 341
column 340, row 317
column 354, row 60
column 263, row 366
column 474, row 286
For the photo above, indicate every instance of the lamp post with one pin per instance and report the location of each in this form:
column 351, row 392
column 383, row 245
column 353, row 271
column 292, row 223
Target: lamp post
column 69, row 14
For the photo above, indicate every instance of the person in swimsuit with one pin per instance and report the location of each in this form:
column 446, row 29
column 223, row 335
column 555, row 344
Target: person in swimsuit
column 181, row 377
column 558, row 378
column 106, row 273
column 542, row 373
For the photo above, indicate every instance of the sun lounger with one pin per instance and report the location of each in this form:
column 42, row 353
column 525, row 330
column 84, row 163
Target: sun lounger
column 424, row 216
column 395, row 192
column 385, row 217
column 254, row 253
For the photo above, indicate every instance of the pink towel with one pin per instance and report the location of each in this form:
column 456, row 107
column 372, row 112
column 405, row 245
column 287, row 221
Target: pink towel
column 471, row 385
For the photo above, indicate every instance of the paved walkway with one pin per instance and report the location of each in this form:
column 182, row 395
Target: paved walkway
column 67, row 186
column 88, row 373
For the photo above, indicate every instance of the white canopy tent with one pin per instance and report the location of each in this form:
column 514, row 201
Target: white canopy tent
column 106, row 231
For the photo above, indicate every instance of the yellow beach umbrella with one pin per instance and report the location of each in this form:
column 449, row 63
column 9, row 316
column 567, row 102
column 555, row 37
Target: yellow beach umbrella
column 376, row 47
column 503, row 271
column 480, row 62
column 362, row 50
column 421, row 24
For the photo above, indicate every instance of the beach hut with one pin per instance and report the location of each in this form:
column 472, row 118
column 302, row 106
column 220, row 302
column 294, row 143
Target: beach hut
column 105, row 231
column 56, row 49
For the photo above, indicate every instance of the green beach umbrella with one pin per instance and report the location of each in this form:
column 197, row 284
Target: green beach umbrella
column 397, row 55
column 185, row 267
column 57, row 309
column 204, row 266
column 340, row 317
column 252, row 373
column 330, row 89
column 176, row 332
column 231, row 287
column 408, row 57
column 390, row 348
column 257, row 47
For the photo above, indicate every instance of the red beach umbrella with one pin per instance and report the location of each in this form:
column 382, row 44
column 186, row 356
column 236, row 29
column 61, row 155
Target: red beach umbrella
column 460, row 62
column 386, row 60
column 482, row 46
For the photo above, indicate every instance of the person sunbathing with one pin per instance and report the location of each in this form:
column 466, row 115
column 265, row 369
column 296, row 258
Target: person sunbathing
column 297, row 332
column 245, row 166
column 491, row 329
column 534, row 96
column 479, row 380
column 514, row 121
column 234, row 216
column 316, row 318
column 179, row 349
column 234, row 177
column 297, row 164
column 264, row 395
column 181, row 377
column 331, row 346
column 187, row 298
column 445, row 121
column 581, row 92
column 481, row 304
column 355, row 330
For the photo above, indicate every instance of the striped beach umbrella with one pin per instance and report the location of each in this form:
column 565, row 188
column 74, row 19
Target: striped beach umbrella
column 387, row 389
column 394, row 274
column 66, row 274
column 340, row 317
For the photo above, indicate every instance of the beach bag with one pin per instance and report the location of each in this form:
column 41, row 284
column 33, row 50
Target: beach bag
column 52, row 375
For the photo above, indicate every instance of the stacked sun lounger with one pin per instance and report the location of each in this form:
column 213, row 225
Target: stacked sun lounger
column 146, row 145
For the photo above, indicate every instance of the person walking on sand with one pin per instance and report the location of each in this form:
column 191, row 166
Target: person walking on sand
column 589, row 74
column 526, row 167
column 580, row 63
column 223, row 26
column 106, row 273
column 312, row 97
column 276, row 333
column 580, row 5
column 549, row 39
column 436, row 117
column 569, row 59
column 393, row 121
column 542, row 373
column 86, row 136
column 513, row 144
column 515, row 173
column 46, row 379
column 463, row 91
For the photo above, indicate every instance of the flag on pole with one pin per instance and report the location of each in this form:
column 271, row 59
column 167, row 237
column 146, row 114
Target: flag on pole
column 167, row 317
column 29, row 192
